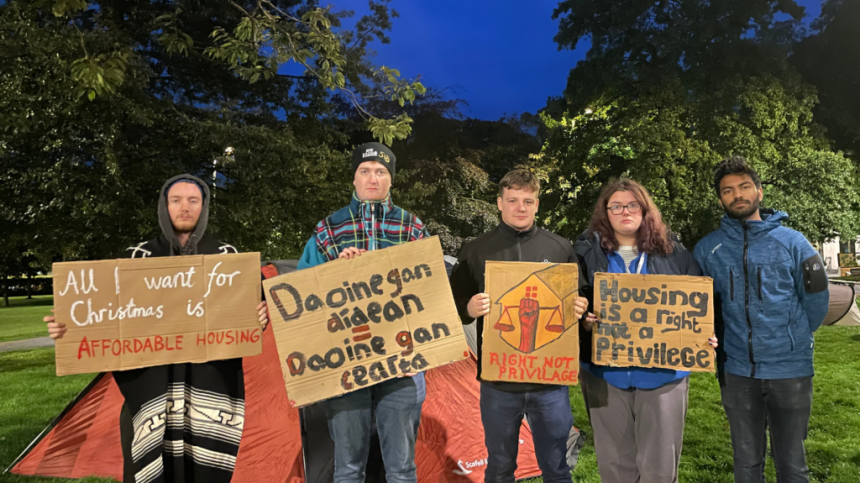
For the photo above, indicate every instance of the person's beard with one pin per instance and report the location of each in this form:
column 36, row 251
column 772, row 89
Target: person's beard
column 742, row 212
column 186, row 228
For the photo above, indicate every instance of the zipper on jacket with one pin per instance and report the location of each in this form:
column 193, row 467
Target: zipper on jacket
column 732, row 283
column 759, row 284
column 519, row 250
column 747, row 295
column 372, row 241
column 790, row 335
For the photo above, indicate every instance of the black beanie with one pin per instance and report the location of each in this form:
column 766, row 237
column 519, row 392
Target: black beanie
column 374, row 152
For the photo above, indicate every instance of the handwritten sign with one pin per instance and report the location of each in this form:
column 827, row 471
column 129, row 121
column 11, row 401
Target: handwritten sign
column 653, row 321
column 350, row 324
column 527, row 336
column 127, row 314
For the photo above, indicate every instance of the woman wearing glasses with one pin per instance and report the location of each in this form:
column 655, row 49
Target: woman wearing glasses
column 637, row 413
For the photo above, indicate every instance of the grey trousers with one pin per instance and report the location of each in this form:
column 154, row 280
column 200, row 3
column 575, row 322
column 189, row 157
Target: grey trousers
column 638, row 433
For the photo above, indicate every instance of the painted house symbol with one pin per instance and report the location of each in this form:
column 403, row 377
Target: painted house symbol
column 538, row 310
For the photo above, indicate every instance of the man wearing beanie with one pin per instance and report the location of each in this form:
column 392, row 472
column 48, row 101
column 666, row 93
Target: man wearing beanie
column 370, row 222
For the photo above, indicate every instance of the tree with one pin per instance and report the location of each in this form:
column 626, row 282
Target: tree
column 667, row 90
column 104, row 101
column 829, row 61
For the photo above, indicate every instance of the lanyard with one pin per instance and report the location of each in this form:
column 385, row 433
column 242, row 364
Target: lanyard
column 638, row 266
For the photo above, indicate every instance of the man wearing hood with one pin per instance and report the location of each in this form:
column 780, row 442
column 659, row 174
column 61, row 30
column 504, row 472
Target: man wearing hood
column 203, row 405
column 771, row 286
column 370, row 222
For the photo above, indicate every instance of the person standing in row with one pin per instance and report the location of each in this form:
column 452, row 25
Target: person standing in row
column 637, row 413
column 773, row 291
column 504, row 404
column 371, row 221
column 167, row 433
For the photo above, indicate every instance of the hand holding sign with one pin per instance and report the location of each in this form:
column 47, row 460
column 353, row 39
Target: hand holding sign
column 479, row 305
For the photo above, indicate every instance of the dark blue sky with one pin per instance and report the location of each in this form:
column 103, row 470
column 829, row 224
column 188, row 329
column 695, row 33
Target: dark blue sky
column 498, row 55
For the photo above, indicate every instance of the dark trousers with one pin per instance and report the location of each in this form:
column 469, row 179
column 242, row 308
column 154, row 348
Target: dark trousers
column 126, row 437
column 754, row 406
column 550, row 419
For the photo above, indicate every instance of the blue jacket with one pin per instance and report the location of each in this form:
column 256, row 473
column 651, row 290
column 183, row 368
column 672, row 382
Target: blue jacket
column 773, row 291
column 593, row 259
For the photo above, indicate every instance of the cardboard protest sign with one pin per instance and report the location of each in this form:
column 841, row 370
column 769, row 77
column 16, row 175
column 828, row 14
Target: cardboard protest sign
column 132, row 313
column 527, row 336
column 349, row 324
column 653, row 321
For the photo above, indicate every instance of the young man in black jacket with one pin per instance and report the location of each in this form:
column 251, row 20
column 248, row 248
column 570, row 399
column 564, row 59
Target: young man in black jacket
column 503, row 404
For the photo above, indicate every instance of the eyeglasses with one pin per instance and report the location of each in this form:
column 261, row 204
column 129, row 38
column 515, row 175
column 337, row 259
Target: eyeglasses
column 631, row 208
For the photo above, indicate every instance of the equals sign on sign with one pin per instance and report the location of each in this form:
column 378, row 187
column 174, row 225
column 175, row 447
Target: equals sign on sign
column 363, row 333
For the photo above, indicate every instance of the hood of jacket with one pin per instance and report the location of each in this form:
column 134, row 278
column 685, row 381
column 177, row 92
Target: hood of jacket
column 166, row 224
column 770, row 219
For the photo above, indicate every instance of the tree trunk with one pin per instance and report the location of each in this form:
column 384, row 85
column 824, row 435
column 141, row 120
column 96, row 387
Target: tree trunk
column 6, row 290
column 29, row 286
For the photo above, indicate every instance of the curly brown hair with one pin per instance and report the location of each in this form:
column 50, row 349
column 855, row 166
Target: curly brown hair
column 653, row 234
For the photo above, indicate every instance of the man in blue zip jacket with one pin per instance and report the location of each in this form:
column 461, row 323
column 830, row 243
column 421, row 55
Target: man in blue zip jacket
column 771, row 286
column 371, row 221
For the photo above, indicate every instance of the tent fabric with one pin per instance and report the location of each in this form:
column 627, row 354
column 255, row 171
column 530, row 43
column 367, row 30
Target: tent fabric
column 450, row 447
column 851, row 318
column 843, row 307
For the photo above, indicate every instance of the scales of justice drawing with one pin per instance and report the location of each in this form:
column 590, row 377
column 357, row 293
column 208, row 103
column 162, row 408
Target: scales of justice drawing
column 538, row 310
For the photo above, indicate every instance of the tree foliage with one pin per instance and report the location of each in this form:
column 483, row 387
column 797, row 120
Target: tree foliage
column 104, row 101
column 667, row 90
column 829, row 61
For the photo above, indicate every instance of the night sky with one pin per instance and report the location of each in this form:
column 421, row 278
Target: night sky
column 498, row 55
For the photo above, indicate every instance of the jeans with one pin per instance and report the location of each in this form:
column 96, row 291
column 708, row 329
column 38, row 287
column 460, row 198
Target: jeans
column 397, row 404
column 550, row 418
column 781, row 406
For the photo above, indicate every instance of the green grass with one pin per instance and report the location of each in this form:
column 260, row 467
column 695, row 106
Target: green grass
column 833, row 446
column 32, row 396
column 23, row 318
column 849, row 278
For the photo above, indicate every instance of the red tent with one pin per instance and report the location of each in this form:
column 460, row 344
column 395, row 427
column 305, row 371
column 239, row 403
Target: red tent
column 84, row 439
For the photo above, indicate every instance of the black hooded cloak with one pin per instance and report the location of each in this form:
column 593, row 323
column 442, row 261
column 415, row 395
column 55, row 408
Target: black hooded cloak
column 186, row 419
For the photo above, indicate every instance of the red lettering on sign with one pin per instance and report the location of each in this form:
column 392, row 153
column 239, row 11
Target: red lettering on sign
column 116, row 347
column 230, row 338
column 255, row 335
column 84, row 347
column 201, row 338
column 179, row 342
column 126, row 346
column 105, row 343
column 146, row 344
